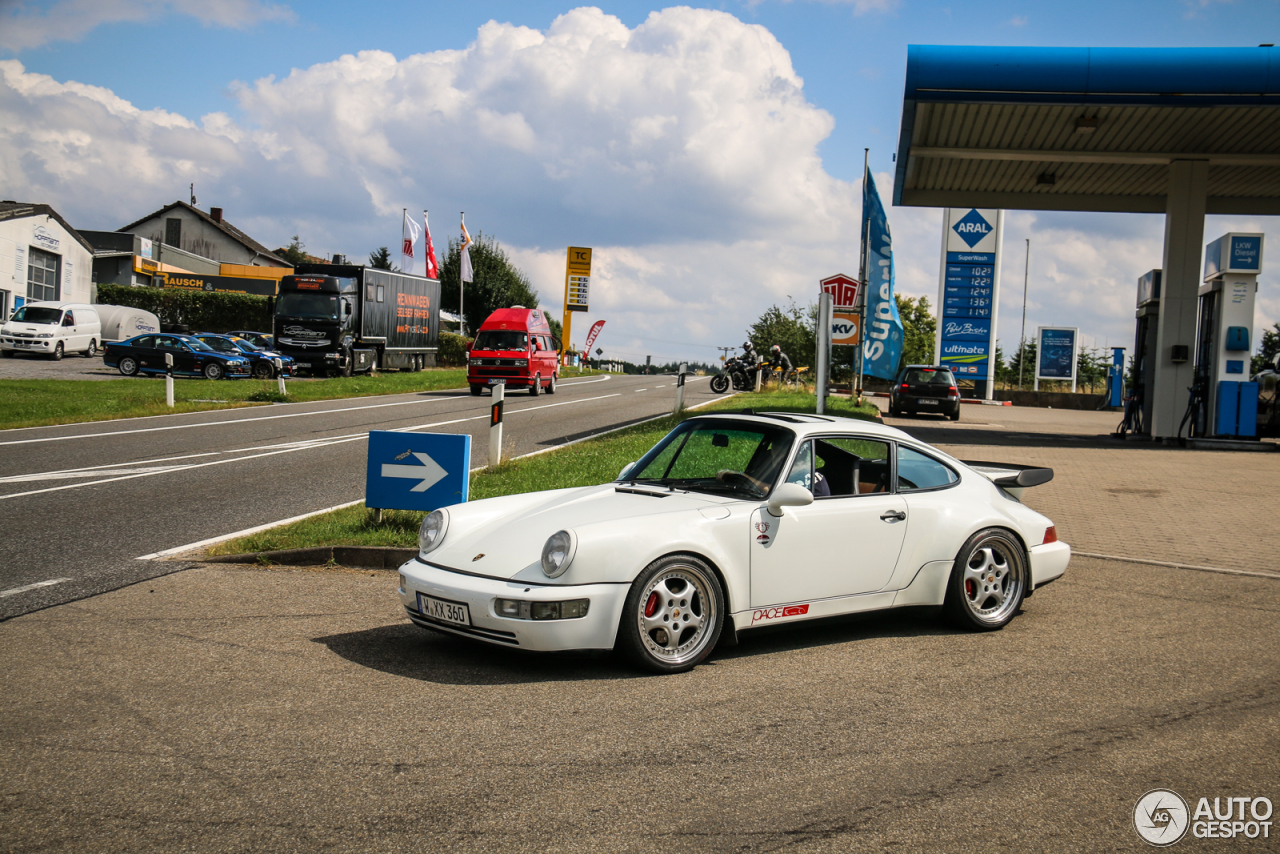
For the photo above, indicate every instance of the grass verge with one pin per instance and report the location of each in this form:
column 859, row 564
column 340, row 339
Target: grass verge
column 594, row 461
column 40, row 403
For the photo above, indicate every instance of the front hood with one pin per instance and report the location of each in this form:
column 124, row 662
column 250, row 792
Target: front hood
column 505, row 546
column 28, row 328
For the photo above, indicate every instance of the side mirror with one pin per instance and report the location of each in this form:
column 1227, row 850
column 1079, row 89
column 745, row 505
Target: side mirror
column 628, row 467
column 788, row 495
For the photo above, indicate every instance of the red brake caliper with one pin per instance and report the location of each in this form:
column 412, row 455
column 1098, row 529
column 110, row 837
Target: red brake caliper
column 970, row 587
column 651, row 607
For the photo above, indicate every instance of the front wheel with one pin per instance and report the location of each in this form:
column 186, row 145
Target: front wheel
column 262, row 371
column 673, row 615
column 93, row 349
column 56, row 355
column 720, row 384
column 214, row 371
column 988, row 581
column 476, row 389
column 128, row 366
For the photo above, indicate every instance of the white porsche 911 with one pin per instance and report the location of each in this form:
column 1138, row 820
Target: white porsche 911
column 730, row 523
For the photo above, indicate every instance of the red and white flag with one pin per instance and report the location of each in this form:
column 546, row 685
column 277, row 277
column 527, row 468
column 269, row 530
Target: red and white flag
column 410, row 232
column 591, row 336
column 433, row 269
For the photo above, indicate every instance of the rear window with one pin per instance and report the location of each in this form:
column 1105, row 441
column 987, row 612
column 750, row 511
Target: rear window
column 923, row 376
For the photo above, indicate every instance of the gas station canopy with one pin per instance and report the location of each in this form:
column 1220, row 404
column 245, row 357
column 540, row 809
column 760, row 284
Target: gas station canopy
column 1088, row 129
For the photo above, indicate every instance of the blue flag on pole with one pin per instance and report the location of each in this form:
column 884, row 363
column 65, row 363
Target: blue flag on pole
column 882, row 336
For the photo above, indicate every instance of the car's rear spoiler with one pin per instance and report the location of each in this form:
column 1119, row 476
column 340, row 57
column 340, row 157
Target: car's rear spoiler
column 1011, row 476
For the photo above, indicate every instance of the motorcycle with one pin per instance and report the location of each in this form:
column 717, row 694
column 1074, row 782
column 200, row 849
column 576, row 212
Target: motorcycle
column 737, row 371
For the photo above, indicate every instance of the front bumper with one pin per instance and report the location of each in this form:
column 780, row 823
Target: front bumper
column 1048, row 562
column 28, row 345
column 597, row 630
column 514, row 381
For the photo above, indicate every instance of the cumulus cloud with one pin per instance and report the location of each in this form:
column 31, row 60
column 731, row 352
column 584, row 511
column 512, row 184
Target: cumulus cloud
column 25, row 25
column 682, row 150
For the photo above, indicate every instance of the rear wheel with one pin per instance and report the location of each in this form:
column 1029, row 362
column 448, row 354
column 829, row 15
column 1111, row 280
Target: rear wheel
column 128, row 366
column 92, row 349
column 988, row 581
column 214, row 371
column 673, row 615
column 551, row 386
column 56, row 355
column 956, row 416
column 536, row 388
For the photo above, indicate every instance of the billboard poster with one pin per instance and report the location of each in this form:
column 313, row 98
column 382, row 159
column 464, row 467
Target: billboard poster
column 1056, row 353
column 968, row 290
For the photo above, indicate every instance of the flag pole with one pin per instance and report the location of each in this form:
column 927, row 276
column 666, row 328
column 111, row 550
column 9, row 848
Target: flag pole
column 462, row 320
column 862, row 274
column 404, row 215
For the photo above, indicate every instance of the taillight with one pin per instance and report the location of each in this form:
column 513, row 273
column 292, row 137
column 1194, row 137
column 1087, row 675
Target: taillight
column 1050, row 535
column 905, row 386
column 953, row 390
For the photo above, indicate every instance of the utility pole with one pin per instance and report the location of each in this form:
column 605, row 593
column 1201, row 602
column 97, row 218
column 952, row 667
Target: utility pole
column 1022, row 338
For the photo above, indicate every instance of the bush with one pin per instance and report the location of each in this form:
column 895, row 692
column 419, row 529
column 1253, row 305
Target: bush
column 453, row 350
column 199, row 311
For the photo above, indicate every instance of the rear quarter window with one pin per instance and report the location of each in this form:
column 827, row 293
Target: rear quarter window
column 917, row 471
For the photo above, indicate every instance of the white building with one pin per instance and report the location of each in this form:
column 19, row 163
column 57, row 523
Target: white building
column 41, row 258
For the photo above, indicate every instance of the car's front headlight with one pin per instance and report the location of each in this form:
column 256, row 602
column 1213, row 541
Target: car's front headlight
column 557, row 553
column 431, row 532
column 45, row 335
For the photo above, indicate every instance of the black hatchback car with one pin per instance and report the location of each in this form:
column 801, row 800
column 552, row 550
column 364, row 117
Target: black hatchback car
column 925, row 388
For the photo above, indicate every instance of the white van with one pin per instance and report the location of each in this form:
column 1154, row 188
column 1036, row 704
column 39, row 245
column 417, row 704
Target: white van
column 52, row 329
column 122, row 322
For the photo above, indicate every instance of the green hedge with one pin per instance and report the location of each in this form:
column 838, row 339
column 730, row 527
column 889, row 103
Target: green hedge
column 453, row 350
column 199, row 311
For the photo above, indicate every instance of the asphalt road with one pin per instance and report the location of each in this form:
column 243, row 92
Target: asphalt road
column 79, row 504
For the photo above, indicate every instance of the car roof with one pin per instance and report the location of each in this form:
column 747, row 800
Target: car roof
column 808, row 424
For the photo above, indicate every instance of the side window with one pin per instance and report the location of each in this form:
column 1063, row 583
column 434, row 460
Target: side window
column 370, row 293
column 851, row 466
column 146, row 341
column 916, row 471
column 382, row 293
column 68, row 319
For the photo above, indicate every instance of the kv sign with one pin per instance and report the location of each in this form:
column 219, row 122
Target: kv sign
column 845, row 328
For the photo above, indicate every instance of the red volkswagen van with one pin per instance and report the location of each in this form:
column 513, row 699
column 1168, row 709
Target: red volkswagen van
column 514, row 344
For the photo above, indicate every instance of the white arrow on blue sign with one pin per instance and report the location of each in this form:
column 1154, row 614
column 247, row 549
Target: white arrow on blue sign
column 417, row 471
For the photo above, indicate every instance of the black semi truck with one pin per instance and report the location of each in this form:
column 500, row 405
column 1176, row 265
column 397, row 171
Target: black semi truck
column 340, row 319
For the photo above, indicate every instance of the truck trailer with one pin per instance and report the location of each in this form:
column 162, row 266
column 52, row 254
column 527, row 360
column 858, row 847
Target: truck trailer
column 342, row 318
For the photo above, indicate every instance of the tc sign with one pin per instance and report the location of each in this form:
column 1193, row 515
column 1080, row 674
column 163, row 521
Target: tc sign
column 416, row 471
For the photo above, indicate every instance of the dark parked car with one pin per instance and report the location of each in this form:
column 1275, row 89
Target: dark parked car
column 925, row 388
column 262, row 362
column 145, row 354
column 260, row 339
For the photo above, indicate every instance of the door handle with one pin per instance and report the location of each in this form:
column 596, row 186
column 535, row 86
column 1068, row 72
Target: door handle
column 893, row 516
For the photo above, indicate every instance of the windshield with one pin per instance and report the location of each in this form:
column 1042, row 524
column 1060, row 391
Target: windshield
column 195, row 344
column 317, row 306
column 246, row 346
column 37, row 314
column 501, row 339
column 742, row 458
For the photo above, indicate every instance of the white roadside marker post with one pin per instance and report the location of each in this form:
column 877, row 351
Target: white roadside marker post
column 280, row 375
column 680, row 390
column 168, row 379
column 495, row 425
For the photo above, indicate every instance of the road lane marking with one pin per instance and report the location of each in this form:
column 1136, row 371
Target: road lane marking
column 14, row 591
column 289, row 448
column 1190, row 566
column 247, row 531
column 250, row 420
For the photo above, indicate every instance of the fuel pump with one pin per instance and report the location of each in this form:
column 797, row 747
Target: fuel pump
column 1223, row 401
column 1138, row 402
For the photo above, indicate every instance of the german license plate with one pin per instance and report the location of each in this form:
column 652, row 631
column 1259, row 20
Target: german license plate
column 24, row 343
column 926, row 402
column 302, row 364
column 445, row 612
column 495, row 382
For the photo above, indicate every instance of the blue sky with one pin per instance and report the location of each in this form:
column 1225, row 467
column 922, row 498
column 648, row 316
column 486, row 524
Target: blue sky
column 693, row 246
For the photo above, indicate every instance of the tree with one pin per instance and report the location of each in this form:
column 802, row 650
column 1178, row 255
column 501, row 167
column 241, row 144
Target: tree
column 1092, row 367
column 919, row 327
column 1022, row 367
column 380, row 259
column 1268, row 349
column 295, row 253
column 498, row 283
column 792, row 329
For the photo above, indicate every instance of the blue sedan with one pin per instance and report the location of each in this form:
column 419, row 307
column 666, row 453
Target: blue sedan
column 146, row 354
column 262, row 361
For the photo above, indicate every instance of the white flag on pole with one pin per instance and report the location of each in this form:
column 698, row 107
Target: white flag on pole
column 411, row 232
column 466, row 270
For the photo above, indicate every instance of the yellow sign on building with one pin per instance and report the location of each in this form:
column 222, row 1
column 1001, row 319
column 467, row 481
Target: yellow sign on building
column 577, row 279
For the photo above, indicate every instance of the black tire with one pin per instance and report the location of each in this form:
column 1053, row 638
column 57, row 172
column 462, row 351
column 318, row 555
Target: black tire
column 988, row 581
column 214, row 371
column 536, row 388
column 476, row 389
column 128, row 366
column 8, row 354
column 551, row 386
column 720, row 384
column 93, row 349
column 956, row 416
column 674, row 589
column 345, row 370
column 262, row 370
column 56, row 355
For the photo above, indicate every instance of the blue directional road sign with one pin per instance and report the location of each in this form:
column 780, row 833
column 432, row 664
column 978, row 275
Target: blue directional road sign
column 417, row 471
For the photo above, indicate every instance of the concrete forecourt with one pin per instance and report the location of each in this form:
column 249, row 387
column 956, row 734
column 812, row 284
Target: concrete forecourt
column 229, row 709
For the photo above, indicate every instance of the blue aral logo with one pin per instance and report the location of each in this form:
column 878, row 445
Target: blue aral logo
column 972, row 228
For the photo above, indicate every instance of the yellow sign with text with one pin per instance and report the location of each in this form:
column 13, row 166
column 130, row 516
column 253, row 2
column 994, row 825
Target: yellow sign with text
column 577, row 279
column 845, row 328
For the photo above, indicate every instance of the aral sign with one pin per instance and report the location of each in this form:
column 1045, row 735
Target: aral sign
column 968, row 290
